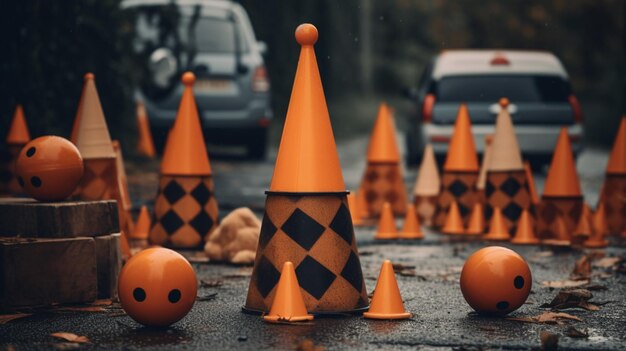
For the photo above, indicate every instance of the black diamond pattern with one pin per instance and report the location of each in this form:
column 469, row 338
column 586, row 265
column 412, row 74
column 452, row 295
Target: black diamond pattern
column 268, row 229
column 313, row 277
column 201, row 223
column 512, row 211
column 489, row 189
column 267, row 276
column 201, row 194
column 510, row 187
column 342, row 224
column 171, row 222
column 488, row 211
column 303, row 229
column 352, row 272
column 457, row 188
column 173, row 192
column 464, row 210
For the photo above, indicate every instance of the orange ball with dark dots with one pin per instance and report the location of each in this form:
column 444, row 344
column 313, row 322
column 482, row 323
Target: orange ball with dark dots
column 157, row 287
column 49, row 168
column 495, row 280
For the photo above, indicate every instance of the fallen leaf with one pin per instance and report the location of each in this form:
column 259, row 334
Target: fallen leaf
column 575, row 298
column 582, row 269
column 211, row 283
column 400, row 266
column 206, row 297
column 596, row 287
column 79, row 309
column 576, row 333
column 567, row 283
column 6, row 318
column 549, row 341
column 547, row 317
column 71, row 337
column 607, row 262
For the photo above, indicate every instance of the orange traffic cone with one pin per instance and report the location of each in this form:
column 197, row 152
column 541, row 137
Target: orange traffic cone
column 583, row 228
column 185, row 209
column 306, row 219
column 361, row 205
column 562, row 235
column 16, row 138
column 507, row 185
column 145, row 143
column 482, row 175
column 122, row 180
column 497, row 228
column 561, row 193
column 142, row 227
column 454, row 222
column 387, row 301
column 288, row 304
column 386, row 224
column 599, row 229
column 460, row 171
column 532, row 189
column 354, row 209
column 476, row 225
column 427, row 185
column 383, row 180
column 525, row 234
column 614, row 190
column 411, row 228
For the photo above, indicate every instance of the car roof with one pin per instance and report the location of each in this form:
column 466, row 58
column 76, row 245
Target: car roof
column 478, row 62
column 221, row 4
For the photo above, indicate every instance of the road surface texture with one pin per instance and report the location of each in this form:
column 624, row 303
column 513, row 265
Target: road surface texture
column 428, row 278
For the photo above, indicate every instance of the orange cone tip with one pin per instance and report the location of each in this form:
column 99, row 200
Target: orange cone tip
column 454, row 222
column 525, row 234
column 18, row 131
column 476, row 225
column 497, row 228
column 307, row 158
column 145, row 143
column 617, row 160
column 142, row 227
column 562, row 180
column 386, row 224
column 462, row 152
column 387, row 301
column 288, row 304
column 383, row 146
column 411, row 228
column 185, row 151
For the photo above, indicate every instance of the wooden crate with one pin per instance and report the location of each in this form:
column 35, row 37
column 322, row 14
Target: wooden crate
column 109, row 263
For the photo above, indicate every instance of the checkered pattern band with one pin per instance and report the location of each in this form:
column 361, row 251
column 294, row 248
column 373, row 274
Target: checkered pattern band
column 509, row 191
column 459, row 187
column 383, row 182
column 548, row 210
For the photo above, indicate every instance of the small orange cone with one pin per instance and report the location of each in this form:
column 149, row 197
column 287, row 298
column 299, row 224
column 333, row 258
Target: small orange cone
column 354, row 209
column 387, row 301
column 361, row 204
column 145, row 143
column 16, row 138
column 476, row 225
column 142, row 227
column 583, row 229
column 599, row 229
column 386, row 224
column 18, row 131
column 288, row 304
column 531, row 183
column 411, row 228
column 525, row 234
column 454, row 222
column 497, row 228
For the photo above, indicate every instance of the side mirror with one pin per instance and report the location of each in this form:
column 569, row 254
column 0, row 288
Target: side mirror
column 262, row 47
column 410, row 93
column 163, row 66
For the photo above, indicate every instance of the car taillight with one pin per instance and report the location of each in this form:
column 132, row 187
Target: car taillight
column 499, row 59
column 578, row 113
column 427, row 108
column 260, row 80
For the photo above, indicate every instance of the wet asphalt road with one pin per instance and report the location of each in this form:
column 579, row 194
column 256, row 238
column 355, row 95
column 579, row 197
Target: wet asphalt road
column 442, row 318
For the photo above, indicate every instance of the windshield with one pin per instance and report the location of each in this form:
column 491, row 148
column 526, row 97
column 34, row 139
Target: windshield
column 491, row 88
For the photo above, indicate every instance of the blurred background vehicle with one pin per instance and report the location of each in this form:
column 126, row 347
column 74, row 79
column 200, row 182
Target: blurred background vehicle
column 215, row 40
column 536, row 84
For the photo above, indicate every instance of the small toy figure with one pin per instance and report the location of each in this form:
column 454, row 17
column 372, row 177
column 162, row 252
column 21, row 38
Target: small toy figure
column 157, row 287
column 495, row 280
column 49, row 168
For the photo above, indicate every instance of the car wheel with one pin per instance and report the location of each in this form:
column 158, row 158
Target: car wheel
column 257, row 145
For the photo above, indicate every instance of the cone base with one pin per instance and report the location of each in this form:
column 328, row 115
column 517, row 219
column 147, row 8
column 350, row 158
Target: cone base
column 473, row 232
column 356, row 312
column 525, row 241
column 411, row 236
column 386, row 236
column 374, row 315
column 279, row 319
column 454, row 231
column 554, row 242
column 596, row 244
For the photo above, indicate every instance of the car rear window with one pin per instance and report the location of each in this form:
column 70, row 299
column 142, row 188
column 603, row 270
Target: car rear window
column 519, row 88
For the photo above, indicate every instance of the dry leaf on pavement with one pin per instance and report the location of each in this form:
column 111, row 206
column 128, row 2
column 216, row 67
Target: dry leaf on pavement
column 582, row 269
column 71, row 337
column 6, row 318
column 567, row 283
column 547, row 317
column 575, row 298
column 607, row 262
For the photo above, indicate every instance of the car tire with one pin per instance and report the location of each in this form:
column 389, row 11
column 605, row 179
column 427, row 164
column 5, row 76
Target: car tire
column 257, row 145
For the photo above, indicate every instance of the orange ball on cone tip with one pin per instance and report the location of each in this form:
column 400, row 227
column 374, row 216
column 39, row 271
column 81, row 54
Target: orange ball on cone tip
column 306, row 34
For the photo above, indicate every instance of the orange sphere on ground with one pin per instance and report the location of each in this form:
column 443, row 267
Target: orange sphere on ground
column 495, row 280
column 49, row 168
column 157, row 287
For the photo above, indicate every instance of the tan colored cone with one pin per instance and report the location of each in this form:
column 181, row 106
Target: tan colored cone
column 354, row 209
column 427, row 182
column 476, row 225
column 411, row 228
column 288, row 304
column 386, row 224
column 145, row 143
column 599, row 229
column 506, row 154
column 454, row 222
column 482, row 175
column 387, row 301
column 497, row 229
column 142, row 227
column 525, row 234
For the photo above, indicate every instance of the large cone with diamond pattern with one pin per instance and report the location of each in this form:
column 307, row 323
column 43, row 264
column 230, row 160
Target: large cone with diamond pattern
column 460, row 171
column 506, row 185
column 383, row 180
column 16, row 138
column 307, row 220
column 185, row 209
column 614, row 191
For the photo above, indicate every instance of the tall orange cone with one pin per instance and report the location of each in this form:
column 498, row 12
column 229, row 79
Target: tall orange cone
column 185, row 209
column 288, row 304
column 507, row 185
column 353, row 205
column 142, row 227
column 476, row 225
column 482, row 175
column 497, row 229
column 525, row 234
column 583, row 228
column 387, row 301
column 454, row 221
column 562, row 196
column 427, row 186
column 386, row 224
column 532, row 189
column 361, row 205
column 16, row 138
column 383, row 180
column 614, row 190
column 599, row 229
column 411, row 228
column 145, row 143
column 460, row 171
column 307, row 220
